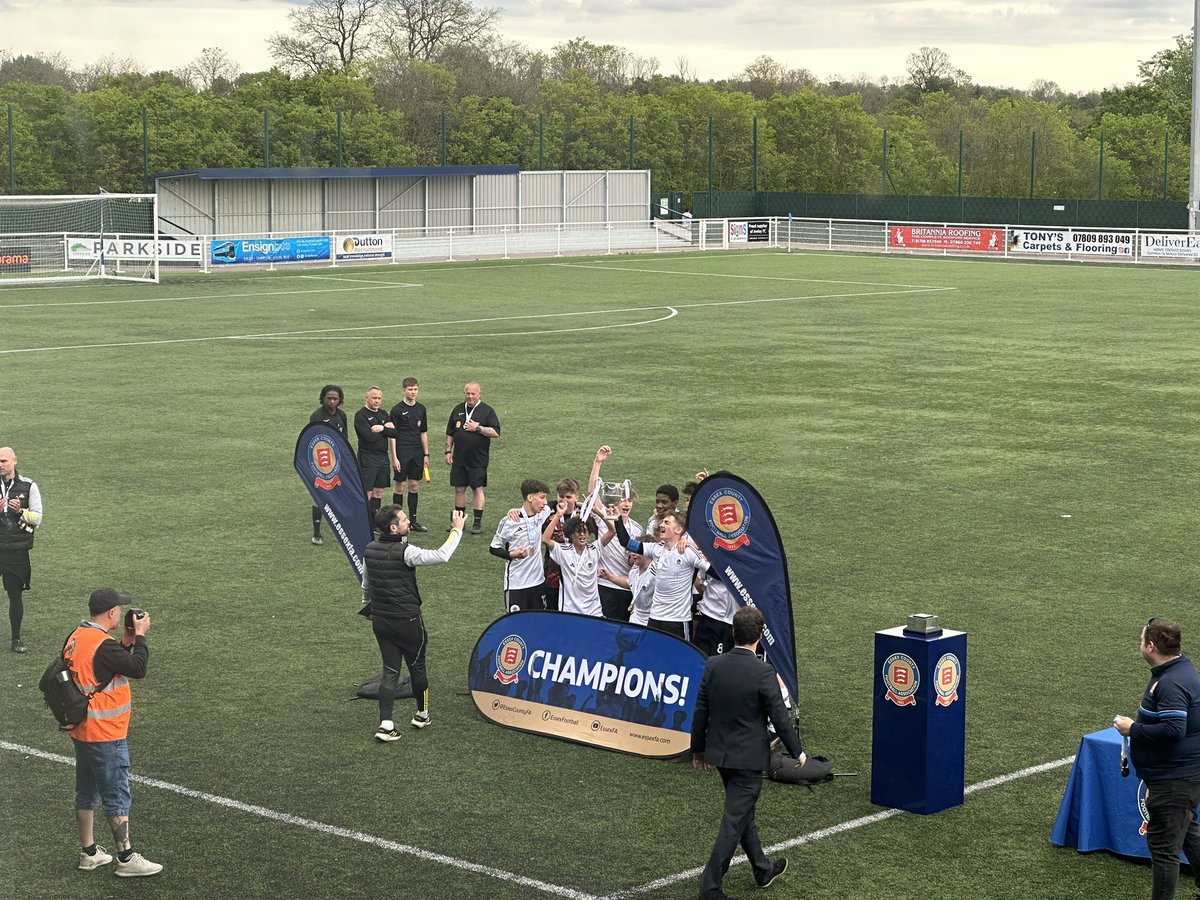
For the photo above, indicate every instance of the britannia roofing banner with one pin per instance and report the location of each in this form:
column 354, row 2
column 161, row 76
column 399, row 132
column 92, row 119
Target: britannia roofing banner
column 949, row 237
column 261, row 250
column 730, row 522
column 588, row 680
column 1069, row 241
column 326, row 465
column 135, row 249
column 362, row 246
column 1171, row 246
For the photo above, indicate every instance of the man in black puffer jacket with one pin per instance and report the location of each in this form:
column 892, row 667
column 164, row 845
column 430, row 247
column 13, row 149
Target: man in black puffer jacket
column 393, row 603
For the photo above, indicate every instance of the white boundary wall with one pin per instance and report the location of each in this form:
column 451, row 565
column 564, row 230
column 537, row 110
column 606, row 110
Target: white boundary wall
column 427, row 244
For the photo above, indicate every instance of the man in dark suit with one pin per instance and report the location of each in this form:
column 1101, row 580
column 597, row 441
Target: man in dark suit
column 738, row 694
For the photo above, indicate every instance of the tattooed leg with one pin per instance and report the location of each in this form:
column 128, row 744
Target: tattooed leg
column 120, row 831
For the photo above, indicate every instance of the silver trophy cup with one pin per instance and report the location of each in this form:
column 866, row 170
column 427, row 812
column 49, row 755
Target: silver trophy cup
column 613, row 492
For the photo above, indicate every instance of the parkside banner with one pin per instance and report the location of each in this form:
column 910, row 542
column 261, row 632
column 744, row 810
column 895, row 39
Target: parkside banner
column 1071, row 242
column 271, row 250
column 588, row 680
column 134, row 249
column 362, row 246
column 949, row 237
column 1171, row 246
column 325, row 463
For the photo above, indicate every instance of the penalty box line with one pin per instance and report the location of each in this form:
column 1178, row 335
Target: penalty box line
column 833, row 830
column 325, row 828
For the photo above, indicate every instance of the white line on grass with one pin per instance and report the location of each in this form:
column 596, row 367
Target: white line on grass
column 616, row 268
column 338, row 332
column 404, row 284
column 324, row 828
column 290, row 293
column 834, row 830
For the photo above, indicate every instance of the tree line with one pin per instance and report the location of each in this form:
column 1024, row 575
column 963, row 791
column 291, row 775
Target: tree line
column 424, row 82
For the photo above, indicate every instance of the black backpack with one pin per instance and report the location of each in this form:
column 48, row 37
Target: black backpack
column 66, row 701
column 816, row 770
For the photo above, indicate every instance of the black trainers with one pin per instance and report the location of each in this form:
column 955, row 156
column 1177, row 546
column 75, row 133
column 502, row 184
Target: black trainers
column 317, row 540
column 777, row 869
column 420, row 720
column 18, row 647
column 386, row 735
column 476, row 528
column 414, row 525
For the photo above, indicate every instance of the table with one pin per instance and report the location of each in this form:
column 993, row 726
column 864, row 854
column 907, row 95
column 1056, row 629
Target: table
column 1100, row 810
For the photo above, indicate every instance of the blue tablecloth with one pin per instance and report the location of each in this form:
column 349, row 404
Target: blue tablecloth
column 1100, row 810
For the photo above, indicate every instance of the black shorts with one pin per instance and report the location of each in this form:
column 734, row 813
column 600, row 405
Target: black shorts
column 520, row 599
column 679, row 629
column 615, row 603
column 412, row 464
column 375, row 474
column 464, row 476
column 713, row 636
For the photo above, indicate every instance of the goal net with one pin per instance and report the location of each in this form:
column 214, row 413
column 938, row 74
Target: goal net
column 71, row 238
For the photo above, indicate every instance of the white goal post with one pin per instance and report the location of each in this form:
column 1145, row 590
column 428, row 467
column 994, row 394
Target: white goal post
column 77, row 237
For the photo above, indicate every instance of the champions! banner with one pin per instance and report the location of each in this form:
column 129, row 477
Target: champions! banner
column 589, row 680
column 326, row 465
column 734, row 529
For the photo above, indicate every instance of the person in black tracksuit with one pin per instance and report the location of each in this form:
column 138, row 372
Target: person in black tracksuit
column 393, row 603
column 1164, row 747
column 329, row 413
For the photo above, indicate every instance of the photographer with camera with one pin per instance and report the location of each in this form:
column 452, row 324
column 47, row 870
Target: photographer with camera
column 102, row 667
column 20, row 515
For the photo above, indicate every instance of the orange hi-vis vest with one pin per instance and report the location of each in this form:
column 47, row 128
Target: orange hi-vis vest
column 108, row 709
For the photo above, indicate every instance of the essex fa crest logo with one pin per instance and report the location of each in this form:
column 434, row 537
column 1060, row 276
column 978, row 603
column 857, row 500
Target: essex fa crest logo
column 510, row 659
column 901, row 678
column 325, row 464
column 946, row 678
column 728, row 517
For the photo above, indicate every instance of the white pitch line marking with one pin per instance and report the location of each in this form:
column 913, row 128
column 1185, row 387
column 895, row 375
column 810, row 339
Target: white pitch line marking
column 834, row 830
column 332, row 290
column 340, row 331
column 615, row 268
column 403, row 284
column 324, row 828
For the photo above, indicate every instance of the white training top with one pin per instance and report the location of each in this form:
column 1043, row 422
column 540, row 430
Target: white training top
column 642, row 585
column 529, row 570
column 673, row 575
column 717, row 602
column 579, row 592
column 613, row 556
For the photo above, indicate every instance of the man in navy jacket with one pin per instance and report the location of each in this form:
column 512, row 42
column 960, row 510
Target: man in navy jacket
column 738, row 694
column 1164, row 746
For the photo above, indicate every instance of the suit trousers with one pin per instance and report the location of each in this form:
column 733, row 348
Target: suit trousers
column 742, row 787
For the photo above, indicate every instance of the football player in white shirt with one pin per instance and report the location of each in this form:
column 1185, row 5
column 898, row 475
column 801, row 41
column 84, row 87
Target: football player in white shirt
column 579, row 562
column 714, row 625
column 615, row 596
column 518, row 541
column 674, row 563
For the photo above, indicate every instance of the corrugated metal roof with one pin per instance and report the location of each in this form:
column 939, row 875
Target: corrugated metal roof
column 383, row 172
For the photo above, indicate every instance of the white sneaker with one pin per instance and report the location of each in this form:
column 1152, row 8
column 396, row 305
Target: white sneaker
column 420, row 720
column 386, row 735
column 137, row 865
column 101, row 858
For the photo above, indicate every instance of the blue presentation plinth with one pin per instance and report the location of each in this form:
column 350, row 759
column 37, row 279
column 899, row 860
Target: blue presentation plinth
column 918, row 740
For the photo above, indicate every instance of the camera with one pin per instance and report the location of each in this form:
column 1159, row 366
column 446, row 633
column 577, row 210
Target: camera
column 131, row 614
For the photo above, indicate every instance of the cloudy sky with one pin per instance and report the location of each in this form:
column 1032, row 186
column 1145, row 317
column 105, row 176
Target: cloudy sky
column 1080, row 44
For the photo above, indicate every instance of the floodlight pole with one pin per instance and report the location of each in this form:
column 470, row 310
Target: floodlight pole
column 1194, row 179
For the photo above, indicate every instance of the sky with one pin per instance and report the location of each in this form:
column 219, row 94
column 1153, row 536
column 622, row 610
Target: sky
column 1081, row 45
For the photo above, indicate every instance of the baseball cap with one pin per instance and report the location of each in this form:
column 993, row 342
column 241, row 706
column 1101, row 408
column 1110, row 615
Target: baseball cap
column 104, row 599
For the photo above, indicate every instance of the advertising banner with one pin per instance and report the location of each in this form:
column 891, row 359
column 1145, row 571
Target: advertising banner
column 16, row 259
column 731, row 524
column 1069, row 241
column 1171, row 246
column 136, row 249
column 267, row 250
column 739, row 232
column 588, row 680
column 362, row 246
column 949, row 237
column 326, row 464
column 758, row 231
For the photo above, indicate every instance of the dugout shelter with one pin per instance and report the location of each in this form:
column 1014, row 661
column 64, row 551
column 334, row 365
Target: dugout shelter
column 234, row 202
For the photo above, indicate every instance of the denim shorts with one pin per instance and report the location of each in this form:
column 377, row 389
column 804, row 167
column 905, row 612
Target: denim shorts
column 102, row 776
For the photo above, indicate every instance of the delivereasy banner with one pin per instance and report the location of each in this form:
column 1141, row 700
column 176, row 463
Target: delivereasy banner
column 326, row 465
column 1171, row 246
column 734, row 529
column 589, row 680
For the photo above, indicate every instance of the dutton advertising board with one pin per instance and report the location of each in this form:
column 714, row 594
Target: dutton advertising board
column 362, row 246
column 1068, row 241
column 949, row 237
column 588, row 680
column 268, row 250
